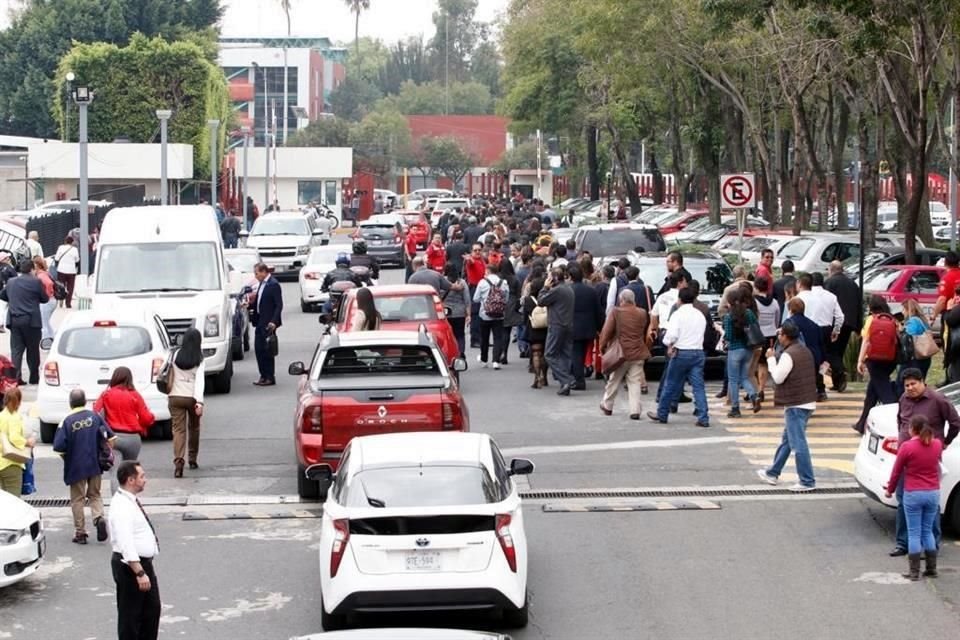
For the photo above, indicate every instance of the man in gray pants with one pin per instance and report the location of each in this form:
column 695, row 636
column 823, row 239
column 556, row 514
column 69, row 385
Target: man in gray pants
column 558, row 297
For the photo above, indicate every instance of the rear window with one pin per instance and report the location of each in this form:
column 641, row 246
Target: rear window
column 405, row 308
column 616, row 242
column 712, row 276
column 104, row 343
column 390, row 359
column 378, row 230
column 421, row 486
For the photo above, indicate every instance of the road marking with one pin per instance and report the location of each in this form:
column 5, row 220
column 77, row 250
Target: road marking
column 613, row 446
column 658, row 505
column 198, row 516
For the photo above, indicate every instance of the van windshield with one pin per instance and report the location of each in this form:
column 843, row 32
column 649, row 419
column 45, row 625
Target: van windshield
column 162, row 266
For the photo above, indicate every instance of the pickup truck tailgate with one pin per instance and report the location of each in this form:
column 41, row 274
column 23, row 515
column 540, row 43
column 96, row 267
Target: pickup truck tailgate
column 348, row 413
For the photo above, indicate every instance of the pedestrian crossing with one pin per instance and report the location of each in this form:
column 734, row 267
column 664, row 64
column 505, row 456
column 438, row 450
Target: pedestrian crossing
column 832, row 442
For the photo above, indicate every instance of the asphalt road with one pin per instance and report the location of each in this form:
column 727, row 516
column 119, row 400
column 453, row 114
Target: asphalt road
column 754, row 567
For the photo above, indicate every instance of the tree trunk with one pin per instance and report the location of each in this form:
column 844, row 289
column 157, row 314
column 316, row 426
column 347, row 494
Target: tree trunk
column 593, row 164
column 786, row 182
column 838, row 142
column 633, row 194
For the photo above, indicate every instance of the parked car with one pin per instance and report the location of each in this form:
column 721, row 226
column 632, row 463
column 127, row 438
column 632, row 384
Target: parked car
column 680, row 220
column 703, row 222
column 423, row 522
column 322, row 260
column 890, row 256
column 284, row 239
column 243, row 261
column 88, row 346
column 406, row 307
column 384, row 238
column 753, row 246
column 898, row 283
column 609, row 242
column 815, row 251
column 23, row 542
column 442, row 205
column 939, row 214
column 371, row 382
column 878, row 450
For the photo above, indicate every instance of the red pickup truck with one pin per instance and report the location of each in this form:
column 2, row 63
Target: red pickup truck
column 371, row 382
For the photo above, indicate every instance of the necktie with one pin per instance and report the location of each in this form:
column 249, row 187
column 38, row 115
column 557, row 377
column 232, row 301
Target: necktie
column 149, row 523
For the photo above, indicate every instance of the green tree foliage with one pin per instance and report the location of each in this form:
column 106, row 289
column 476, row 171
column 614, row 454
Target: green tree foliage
column 407, row 61
column 357, row 7
column 354, row 98
column 447, row 157
column 380, row 141
column 522, row 156
column 40, row 34
column 465, row 98
column 130, row 83
column 325, row 132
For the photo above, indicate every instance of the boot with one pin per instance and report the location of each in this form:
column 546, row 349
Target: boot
column 914, row 573
column 723, row 392
column 931, row 571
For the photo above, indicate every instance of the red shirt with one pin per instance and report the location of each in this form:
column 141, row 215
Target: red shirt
column 475, row 270
column 411, row 245
column 124, row 410
column 948, row 285
column 919, row 464
column 436, row 257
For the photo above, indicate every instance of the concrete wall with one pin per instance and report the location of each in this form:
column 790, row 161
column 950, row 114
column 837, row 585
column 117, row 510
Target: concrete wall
column 12, row 184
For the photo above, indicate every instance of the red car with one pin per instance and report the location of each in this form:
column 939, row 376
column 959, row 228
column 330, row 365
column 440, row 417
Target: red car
column 404, row 307
column 418, row 226
column 679, row 220
column 371, row 382
column 898, row 283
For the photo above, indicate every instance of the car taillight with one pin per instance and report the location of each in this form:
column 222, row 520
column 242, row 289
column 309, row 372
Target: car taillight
column 312, row 419
column 438, row 307
column 396, row 238
column 155, row 369
column 341, row 536
column 890, row 445
column 309, row 275
column 452, row 418
column 506, row 539
column 51, row 374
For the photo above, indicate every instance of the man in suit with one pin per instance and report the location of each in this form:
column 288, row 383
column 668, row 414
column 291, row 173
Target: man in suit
column 588, row 317
column 780, row 285
column 848, row 295
column 24, row 295
column 266, row 319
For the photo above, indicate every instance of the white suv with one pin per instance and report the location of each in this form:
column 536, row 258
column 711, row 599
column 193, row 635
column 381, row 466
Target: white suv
column 284, row 239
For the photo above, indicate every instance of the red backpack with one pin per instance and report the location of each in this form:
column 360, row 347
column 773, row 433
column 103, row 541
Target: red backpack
column 883, row 338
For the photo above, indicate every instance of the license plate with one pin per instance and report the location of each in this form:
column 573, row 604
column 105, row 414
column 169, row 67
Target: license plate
column 376, row 242
column 423, row 561
column 874, row 442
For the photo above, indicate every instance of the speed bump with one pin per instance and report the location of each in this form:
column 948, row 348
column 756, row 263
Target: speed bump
column 250, row 515
column 658, row 505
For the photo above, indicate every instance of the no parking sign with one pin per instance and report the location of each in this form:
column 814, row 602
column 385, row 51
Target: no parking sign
column 737, row 191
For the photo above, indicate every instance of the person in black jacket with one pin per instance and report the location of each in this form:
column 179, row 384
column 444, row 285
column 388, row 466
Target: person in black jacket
column 267, row 319
column 588, row 317
column 24, row 295
column 7, row 272
column 848, row 296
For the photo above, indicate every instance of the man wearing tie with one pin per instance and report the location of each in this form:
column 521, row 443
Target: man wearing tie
column 266, row 319
column 135, row 546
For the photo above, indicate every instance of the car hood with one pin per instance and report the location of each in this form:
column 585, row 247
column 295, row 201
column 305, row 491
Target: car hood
column 319, row 267
column 172, row 304
column 882, row 420
column 17, row 514
column 274, row 242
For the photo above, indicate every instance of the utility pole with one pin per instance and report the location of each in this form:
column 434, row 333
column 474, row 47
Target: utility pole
column 83, row 96
column 446, row 53
column 214, row 161
column 164, row 115
column 953, row 174
column 246, row 152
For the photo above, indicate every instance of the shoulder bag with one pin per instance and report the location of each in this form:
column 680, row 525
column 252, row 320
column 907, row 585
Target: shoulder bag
column 165, row 375
column 538, row 316
column 613, row 358
column 924, row 346
column 755, row 337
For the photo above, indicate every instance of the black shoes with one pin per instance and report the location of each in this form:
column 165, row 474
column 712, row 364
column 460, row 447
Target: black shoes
column 705, row 425
column 80, row 537
column 194, row 465
column 564, row 390
column 101, row 526
column 822, row 397
column 655, row 417
column 722, row 393
column 733, row 413
column 896, row 552
column 685, row 398
column 634, row 416
column 756, row 404
column 579, row 386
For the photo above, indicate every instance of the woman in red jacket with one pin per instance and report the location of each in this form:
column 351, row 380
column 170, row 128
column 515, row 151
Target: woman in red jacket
column 436, row 254
column 918, row 459
column 123, row 408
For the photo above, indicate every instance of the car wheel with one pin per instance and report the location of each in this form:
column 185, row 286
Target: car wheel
column 331, row 622
column 517, row 618
column 952, row 515
column 307, row 489
column 304, row 306
column 47, row 431
column 236, row 349
column 221, row 381
column 246, row 339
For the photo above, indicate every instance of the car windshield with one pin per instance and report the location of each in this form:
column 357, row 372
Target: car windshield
column 324, row 255
column 601, row 243
column 713, row 276
column 104, row 343
column 412, row 218
column 880, row 279
column 269, row 226
column 796, row 249
column 698, row 225
column 870, row 259
column 388, row 359
column 243, row 262
column 422, row 486
column 405, row 308
column 161, row 266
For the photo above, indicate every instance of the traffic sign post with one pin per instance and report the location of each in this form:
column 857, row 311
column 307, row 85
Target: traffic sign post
column 737, row 192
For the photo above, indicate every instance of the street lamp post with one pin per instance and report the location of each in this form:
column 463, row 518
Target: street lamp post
column 26, row 182
column 83, row 96
column 609, row 178
column 214, row 160
column 246, row 153
column 66, row 106
column 164, row 115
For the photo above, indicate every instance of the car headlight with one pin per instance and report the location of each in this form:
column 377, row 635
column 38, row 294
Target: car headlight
column 303, row 249
column 12, row 536
column 211, row 323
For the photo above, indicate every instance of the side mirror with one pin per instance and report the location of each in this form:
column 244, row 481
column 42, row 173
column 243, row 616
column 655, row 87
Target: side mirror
column 459, row 365
column 296, row 369
column 325, row 318
column 322, row 473
column 236, row 282
column 521, row 467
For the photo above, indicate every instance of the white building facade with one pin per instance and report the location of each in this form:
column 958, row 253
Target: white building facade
column 298, row 175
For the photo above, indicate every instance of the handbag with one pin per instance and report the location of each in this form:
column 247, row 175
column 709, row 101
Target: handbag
column 755, row 337
column 105, row 455
column 613, row 357
column 165, row 375
column 18, row 455
column 273, row 347
column 924, row 346
column 538, row 316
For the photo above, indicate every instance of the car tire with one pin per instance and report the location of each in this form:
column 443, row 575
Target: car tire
column 304, row 306
column 222, row 380
column 331, row 622
column 47, row 431
column 517, row 618
column 952, row 515
column 246, row 339
column 236, row 349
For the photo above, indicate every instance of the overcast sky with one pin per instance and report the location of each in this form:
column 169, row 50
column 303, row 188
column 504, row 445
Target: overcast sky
column 388, row 20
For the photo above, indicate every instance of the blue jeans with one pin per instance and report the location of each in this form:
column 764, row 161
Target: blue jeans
column 794, row 439
column 902, row 536
column 686, row 365
column 921, row 508
column 738, row 367
column 663, row 383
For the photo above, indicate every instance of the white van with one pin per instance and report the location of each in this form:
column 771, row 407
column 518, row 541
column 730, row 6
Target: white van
column 170, row 259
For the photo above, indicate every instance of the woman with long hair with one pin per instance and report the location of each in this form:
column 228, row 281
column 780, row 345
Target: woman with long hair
column 11, row 425
column 914, row 326
column 768, row 317
column 739, row 354
column 366, row 317
column 457, row 304
column 536, row 336
column 186, row 400
column 46, row 308
column 125, row 411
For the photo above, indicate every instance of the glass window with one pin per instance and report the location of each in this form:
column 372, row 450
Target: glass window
column 796, row 249
column 406, row 308
column 134, row 268
column 422, row 486
column 924, row 282
column 308, row 191
column 279, row 226
column 104, row 343
column 330, row 189
column 880, row 279
column 392, row 359
column 615, row 242
column 242, row 262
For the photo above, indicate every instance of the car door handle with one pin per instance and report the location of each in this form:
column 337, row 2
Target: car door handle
column 385, row 396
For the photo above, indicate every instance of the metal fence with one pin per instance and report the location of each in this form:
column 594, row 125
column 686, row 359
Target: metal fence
column 53, row 227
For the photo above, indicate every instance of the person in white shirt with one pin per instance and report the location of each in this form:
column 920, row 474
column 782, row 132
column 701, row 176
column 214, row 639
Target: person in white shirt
column 824, row 309
column 684, row 342
column 33, row 244
column 185, row 400
column 67, row 259
column 135, row 546
column 663, row 308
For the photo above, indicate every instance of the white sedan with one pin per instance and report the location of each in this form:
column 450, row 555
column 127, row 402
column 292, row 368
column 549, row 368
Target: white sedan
column 22, row 541
column 88, row 347
column 878, row 450
column 321, row 261
column 422, row 522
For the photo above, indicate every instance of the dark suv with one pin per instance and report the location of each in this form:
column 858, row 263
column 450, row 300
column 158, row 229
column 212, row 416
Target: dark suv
column 609, row 242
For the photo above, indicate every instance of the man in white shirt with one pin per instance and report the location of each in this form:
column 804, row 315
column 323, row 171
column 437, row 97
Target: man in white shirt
column 33, row 244
column 67, row 259
column 663, row 308
column 135, row 546
column 824, row 309
column 684, row 342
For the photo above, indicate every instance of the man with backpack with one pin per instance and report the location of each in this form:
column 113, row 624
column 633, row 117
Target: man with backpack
column 878, row 357
column 491, row 295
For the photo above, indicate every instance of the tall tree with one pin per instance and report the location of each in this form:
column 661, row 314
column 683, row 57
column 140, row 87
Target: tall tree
column 357, row 7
